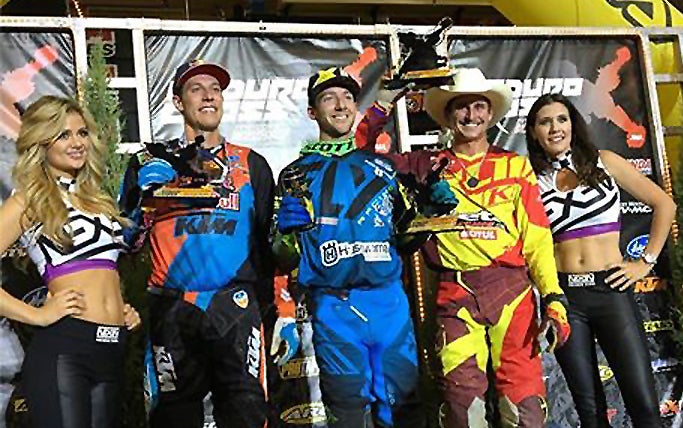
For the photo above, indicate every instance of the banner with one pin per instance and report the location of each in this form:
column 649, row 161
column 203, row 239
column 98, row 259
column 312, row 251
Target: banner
column 31, row 64
column 604, row 79
column 265, row 105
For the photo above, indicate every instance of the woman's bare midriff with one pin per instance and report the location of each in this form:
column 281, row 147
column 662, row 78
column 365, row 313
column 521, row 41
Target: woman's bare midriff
column 102, row 294
column 589, row 254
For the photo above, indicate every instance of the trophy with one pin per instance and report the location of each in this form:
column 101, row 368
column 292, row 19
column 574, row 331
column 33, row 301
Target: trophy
column 420, row 63
column 197, row 172
column 295, row 184
column 433, row 217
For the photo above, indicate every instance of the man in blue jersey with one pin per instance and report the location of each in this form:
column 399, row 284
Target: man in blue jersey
column 206, row 206
column 337, row 222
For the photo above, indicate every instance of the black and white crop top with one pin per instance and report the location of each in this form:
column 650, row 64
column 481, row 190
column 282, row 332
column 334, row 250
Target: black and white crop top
column 97, row 242
column 582, row 211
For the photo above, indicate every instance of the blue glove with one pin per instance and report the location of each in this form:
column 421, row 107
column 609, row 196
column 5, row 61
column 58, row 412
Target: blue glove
column 442, row 194
column 156, row 171
column 285, row 332
column 292, row 215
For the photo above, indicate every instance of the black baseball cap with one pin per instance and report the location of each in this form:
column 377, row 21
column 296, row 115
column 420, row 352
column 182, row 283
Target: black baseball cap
column 196, row 67
column 329, row 78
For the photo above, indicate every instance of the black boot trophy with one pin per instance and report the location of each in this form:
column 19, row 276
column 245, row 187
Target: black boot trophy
column 420, row 63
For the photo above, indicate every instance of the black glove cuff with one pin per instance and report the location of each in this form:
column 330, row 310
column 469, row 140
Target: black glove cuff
column 555, row 297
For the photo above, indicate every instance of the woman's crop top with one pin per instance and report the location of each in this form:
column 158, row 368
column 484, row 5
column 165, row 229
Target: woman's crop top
column 582, row 211
column 96, row 244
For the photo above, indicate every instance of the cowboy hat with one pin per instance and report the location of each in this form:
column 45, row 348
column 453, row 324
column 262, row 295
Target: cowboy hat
column 468, row 81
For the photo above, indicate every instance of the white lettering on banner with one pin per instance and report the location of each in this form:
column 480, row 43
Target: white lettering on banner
column 525, row 92
column 273, row 100
column 333, row 251
column 166, row 375
column 107, row 334
column 254, row 352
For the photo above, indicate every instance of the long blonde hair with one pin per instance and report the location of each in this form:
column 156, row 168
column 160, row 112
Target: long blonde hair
column 42, row 123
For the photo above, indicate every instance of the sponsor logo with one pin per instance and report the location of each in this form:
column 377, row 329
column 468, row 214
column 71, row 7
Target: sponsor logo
column 650, row 284
column 669, row 408
column 611, row 413
column 486, row 235
column 381, row 168
column 664, row 364
column 254, row 352
column 606, row 373
column 581, row 280
column 635, row 207
column 106, row 334
column 658, row 325
column 479, row 219
column 241, row 299
column 635, row 248
column 305, row 414
column 20, row 405
column 36, row 297
column 166, row 375
column 333, row 251
column 230, row 202
column 204, row 225
column 642, row 165
column 301, row 312
column 299, row 368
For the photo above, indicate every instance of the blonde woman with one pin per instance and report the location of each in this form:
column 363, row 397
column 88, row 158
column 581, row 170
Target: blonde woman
column 70, row 227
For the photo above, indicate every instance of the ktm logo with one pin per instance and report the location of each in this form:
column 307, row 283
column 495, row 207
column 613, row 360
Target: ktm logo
column 650, row 284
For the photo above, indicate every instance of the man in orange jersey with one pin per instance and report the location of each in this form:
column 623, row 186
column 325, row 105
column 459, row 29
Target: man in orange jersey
column 485, row 304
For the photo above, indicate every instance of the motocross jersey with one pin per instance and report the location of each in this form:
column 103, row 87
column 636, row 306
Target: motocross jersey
column 205, row 243
column 501, row 220
column 355, row 202
column 353, row 198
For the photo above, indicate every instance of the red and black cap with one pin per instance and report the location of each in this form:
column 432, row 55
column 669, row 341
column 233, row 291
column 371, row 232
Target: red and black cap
column 196, row 67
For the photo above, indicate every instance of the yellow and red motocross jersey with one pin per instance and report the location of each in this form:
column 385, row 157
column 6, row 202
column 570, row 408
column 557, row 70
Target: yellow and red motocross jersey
column 501, row 219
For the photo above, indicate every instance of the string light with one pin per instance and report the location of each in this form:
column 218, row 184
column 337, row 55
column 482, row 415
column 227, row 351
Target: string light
column 79, row 11
column 419, row 288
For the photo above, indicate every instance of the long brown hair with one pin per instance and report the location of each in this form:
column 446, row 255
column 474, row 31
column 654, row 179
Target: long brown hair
column 584, row 153
column 42, row 123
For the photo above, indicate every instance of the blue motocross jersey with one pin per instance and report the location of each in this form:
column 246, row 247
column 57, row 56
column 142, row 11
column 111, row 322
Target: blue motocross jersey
column 354, row 199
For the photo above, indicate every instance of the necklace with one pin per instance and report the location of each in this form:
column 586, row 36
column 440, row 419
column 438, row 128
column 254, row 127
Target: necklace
column 473, row 180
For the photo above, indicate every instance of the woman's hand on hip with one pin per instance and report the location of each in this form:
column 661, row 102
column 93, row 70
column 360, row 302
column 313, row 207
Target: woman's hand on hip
column 628, row 274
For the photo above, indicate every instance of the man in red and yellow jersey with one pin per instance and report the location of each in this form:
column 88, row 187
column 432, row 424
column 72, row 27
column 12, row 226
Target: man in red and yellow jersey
column 485, row 303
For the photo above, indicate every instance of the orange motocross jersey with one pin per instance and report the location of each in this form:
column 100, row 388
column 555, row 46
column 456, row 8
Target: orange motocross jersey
column 500, row 218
